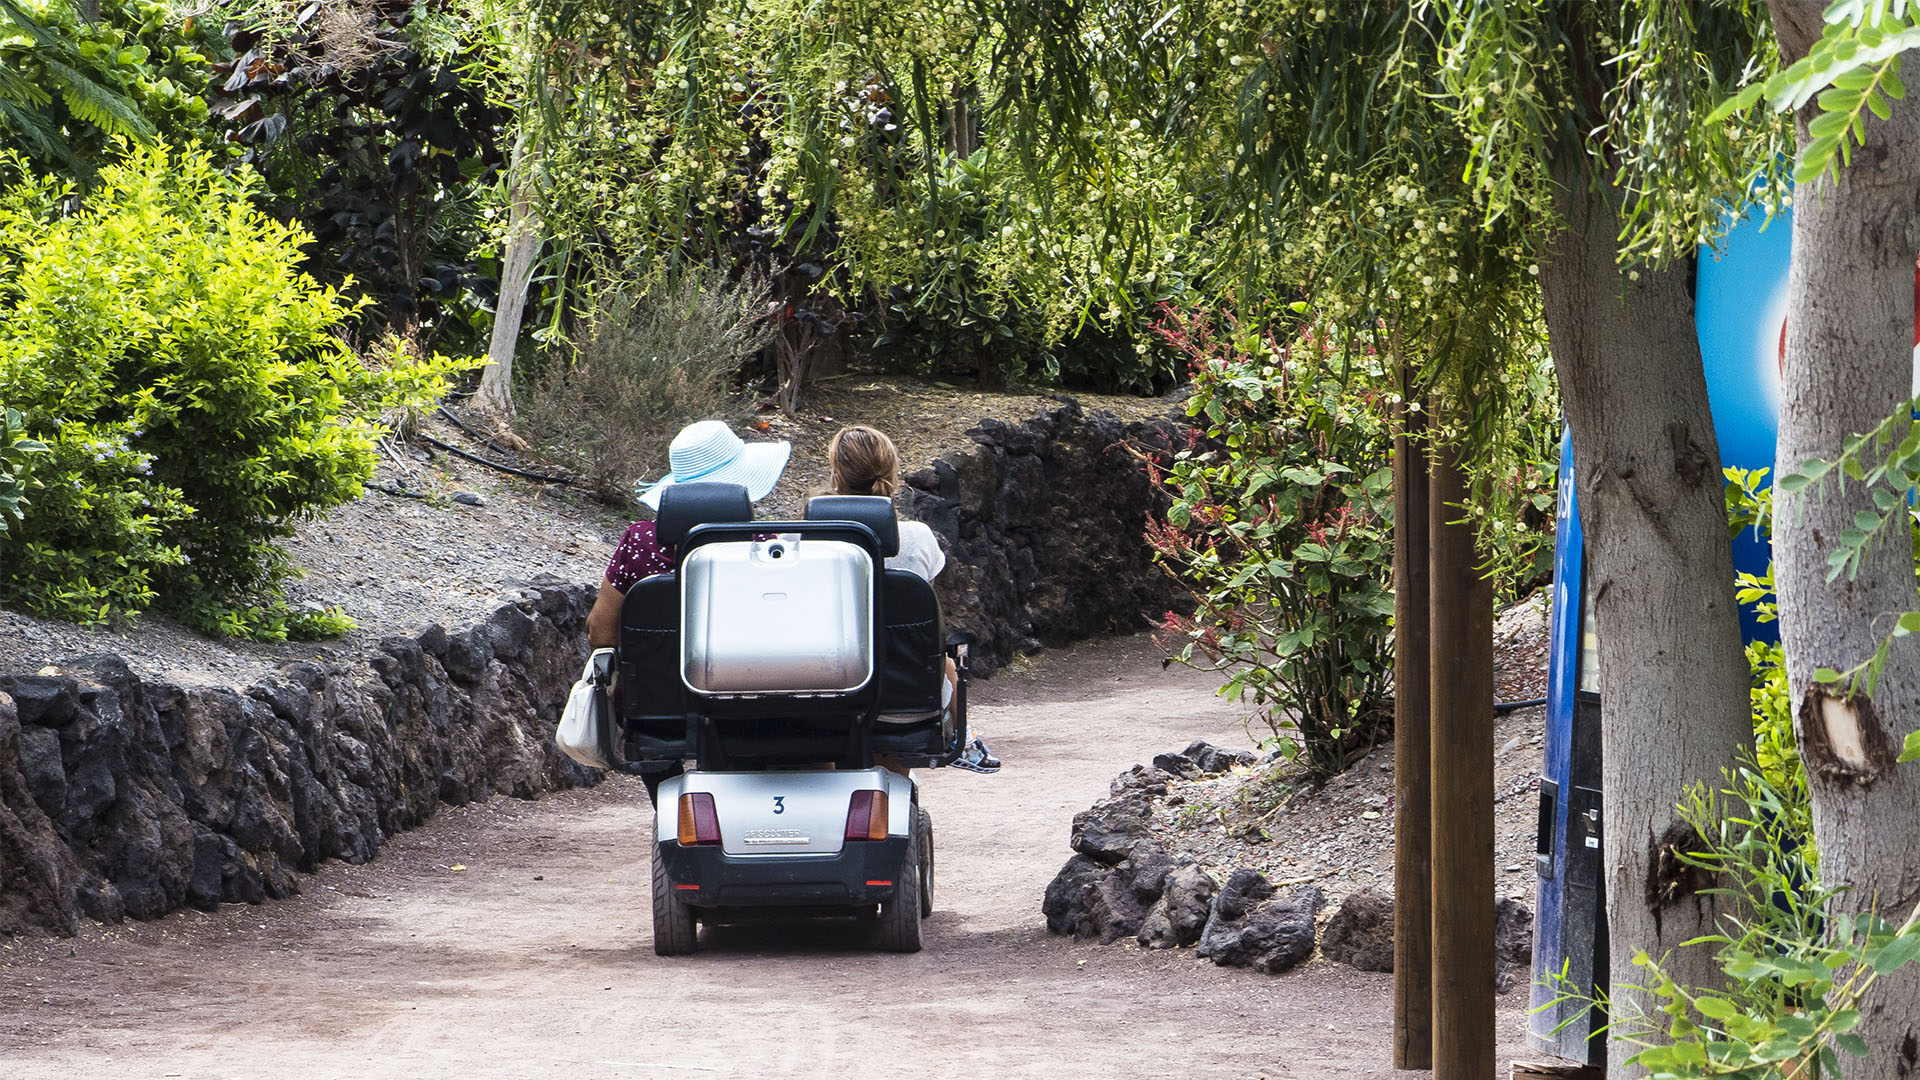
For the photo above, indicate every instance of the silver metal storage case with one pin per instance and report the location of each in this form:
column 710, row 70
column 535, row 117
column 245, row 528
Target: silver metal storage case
column 777, row 616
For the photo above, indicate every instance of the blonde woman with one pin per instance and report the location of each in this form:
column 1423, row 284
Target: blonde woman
column 862, row 461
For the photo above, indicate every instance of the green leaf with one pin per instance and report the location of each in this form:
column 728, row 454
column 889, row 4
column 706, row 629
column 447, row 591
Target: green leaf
column 1816, row 156
column 1792, row 482
column 1857, row 79
column 1826, row 676
column 1894, row 955
column 1852, row 1044
column 1839, row 100
column 1740, row 102
column 1827, row 126
column 1715, row 1008
column 1911, row 751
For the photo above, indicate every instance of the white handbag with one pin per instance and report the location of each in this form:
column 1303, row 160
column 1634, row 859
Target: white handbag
column 584, row 733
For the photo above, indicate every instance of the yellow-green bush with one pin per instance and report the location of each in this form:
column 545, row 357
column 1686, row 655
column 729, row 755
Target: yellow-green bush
column 158, row 336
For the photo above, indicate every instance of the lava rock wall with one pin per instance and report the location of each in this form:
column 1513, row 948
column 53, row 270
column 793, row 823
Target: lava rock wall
column 1044, row 527
column 122, row 796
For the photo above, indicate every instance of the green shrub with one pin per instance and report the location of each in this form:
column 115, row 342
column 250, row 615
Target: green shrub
column 1281, row 530
column 643, row 366
column 1750, row 505
column 196, row 403
column 16, row 468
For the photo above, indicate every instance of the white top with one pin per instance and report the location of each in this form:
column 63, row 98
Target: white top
column 919, row 551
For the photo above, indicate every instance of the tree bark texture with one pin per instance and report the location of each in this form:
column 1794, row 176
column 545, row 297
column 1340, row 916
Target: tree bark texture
column 1849, row 365
column 495, row 394
column 1673, row 672
column 1460, row 620
column 1412, row 831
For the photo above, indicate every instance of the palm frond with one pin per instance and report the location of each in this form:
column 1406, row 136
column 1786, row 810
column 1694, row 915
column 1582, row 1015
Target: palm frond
column 34, row 132
column 95, row 103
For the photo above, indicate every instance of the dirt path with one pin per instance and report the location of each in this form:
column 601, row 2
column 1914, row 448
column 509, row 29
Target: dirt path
column 535, row 960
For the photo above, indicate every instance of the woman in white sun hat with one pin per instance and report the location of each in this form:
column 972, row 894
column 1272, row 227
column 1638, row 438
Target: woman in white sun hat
column 709, row 452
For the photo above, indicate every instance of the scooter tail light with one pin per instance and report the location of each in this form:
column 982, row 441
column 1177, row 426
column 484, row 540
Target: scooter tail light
column 867, row 816
column 699, row 823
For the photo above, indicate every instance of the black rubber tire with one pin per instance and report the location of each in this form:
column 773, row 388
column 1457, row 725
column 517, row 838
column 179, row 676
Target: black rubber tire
column 923, row 823
column 675, row 929
column 899, row 929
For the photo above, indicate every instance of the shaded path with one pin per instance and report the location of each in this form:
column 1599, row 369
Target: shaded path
column 535, row 960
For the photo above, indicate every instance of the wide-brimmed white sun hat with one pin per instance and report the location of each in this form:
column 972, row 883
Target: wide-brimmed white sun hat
column 710, row 452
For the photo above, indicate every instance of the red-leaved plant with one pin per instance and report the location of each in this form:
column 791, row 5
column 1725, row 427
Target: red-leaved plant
column 1281, row 529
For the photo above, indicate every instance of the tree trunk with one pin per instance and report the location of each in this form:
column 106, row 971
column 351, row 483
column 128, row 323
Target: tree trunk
column 516, row 271
column 1412, row 725
column 1673, row 674
column 1460, row 621
column 1849, row 365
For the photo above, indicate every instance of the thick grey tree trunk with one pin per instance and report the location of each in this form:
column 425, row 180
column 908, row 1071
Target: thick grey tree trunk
column 516, row 272
column 1673, row 674
column 1849, row 365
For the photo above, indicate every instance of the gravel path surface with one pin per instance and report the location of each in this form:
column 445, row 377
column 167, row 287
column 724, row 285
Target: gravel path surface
column 534, row 960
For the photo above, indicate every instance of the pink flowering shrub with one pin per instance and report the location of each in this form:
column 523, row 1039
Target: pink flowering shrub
column 1281, row 527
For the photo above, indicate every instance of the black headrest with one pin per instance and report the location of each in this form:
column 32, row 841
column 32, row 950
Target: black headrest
column 682, row 506
column 873, row 511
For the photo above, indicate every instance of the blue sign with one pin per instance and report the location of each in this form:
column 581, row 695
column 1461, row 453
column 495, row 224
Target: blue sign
column 1740, row 314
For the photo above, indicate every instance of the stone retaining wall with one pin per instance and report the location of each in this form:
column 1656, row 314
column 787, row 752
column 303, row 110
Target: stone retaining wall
column 1043, row 523
column 122, row 796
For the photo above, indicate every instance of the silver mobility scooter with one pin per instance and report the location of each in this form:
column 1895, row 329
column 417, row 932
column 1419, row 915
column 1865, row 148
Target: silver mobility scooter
column 776, row 662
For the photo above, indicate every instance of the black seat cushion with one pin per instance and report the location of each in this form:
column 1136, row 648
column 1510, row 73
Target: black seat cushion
column 873, row 511
column 913, row 656
column 683, row 506
column 650, row 690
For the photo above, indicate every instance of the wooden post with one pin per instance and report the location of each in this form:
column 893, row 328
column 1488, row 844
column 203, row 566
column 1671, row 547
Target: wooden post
column 1461, row 622
column 1412, row 835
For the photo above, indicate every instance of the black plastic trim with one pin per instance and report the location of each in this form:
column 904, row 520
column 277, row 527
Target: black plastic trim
column 785, row 880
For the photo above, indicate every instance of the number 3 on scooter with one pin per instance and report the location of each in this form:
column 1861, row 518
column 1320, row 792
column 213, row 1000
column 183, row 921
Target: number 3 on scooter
column 779, row 804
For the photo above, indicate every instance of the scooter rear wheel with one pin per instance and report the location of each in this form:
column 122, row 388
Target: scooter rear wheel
column 899, row 929
column 924, row 822
column 675, row 931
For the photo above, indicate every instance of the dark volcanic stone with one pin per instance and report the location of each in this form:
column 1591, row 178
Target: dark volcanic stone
column 1512, row 943
column 1116, row 911
column 40, row 766
column 1090, row 898
column 1178, row 765
column 1071, row 895
column 1145, row 778
column 1243, row 889
column 1108, row 831
column 1250, row 927
column 1211, row 759
column 1361, row 932
column 1180, row 914
column 1188, row 899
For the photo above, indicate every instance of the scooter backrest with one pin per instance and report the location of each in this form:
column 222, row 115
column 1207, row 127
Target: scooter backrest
column 683, row 506
column 873, row 511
